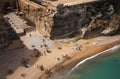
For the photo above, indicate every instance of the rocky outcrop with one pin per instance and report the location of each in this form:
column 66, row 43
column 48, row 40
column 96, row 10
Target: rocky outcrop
column 41, row 15
column 86, row 17
column 113, row 25
column 73, row 19
column 44, row 23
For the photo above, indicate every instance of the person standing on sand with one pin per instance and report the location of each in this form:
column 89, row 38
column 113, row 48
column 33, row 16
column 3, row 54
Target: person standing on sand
column 62, row 67
column 23, row 75
column 30, row 35
column 48, row 72
column 41, row 67
column 43, row 40
column 38, row 54
column 24, row 61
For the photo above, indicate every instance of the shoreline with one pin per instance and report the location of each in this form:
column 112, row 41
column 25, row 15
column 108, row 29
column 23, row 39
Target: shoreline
column 100, row 55
column 70, row 63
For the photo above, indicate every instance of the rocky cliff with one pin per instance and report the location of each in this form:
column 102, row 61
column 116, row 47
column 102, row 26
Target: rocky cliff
column 41, row 15
column 94, row 18
column 83, row 18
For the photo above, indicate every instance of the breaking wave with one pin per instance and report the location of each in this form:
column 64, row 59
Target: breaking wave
column 113, row 49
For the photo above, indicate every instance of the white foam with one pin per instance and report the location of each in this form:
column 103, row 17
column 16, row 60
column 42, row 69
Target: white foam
column 83, row 61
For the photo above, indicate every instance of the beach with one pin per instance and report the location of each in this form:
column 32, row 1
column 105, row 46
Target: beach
column 68, row 64
column 104, row 65
column 64, row 55
column 49, row 38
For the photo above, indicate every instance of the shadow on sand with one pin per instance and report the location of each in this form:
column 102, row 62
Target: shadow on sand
column 12, row 55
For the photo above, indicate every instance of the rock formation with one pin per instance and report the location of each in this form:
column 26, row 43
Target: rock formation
column 68, row 20
column 86, row 17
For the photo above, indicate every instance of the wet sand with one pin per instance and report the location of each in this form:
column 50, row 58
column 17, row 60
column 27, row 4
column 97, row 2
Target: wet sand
column 68, row 64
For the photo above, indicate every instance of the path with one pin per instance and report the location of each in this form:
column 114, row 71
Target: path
column 16, row 22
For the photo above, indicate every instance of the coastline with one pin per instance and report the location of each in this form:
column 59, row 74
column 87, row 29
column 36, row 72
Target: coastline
column 81, row 55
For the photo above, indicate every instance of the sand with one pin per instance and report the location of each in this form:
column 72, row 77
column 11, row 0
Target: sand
column 12, row 57
column 49, row 60
column 92, row 50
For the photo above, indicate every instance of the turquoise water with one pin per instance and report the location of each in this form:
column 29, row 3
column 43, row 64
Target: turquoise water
column 104, row 68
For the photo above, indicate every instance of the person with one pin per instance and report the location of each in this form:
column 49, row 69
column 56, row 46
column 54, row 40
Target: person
column 38, row 54
column 62, row 67
column 41, row 68
column 63, row 56
column 41, row 46
column 66, row 56
column 25, row 62
column 30, row 35
column 78, row 48
column 33, row 46
column 10, row 71
column 58, row 59
column 48, row 71
column 43, row 40
column 23, row 75
column 35, row 49
column 45, row 45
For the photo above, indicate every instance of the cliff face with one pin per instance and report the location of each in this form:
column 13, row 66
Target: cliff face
column 90, row 19
column 100, row 18
column 41, row 15
column 86, row 18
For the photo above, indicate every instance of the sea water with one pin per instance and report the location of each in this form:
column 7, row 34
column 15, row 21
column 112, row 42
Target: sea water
column 106, row 67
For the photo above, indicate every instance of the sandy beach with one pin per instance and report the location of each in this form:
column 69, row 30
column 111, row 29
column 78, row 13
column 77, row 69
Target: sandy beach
column 81, row 55
column 76, row 50
column 53, row 36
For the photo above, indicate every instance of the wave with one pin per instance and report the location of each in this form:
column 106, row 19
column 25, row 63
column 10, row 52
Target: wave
column 113, row 49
